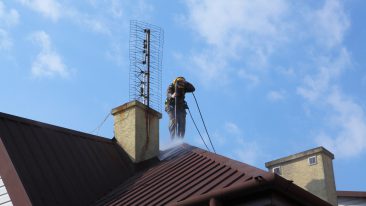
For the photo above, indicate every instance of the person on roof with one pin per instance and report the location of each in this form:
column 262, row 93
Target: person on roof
column 175, row 106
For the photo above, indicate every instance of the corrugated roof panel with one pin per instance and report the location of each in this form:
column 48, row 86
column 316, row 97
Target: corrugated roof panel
column 58, row 166
column 183, row 172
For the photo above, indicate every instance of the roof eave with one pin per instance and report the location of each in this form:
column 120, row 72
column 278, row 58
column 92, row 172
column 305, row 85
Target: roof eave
column 14, row 186
column 267, row 182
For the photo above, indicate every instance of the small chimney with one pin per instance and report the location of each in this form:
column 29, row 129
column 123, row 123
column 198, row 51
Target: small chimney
column 311, row 170
column 136, row 129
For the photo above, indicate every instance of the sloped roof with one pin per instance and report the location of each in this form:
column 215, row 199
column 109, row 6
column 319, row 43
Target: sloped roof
column 187, row 175
column 58, row 166
column 184, row 171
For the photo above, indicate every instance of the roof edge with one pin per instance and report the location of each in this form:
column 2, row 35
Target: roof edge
column 361, row 194
column 12, row 181
column 268, row 181
column 222, row 159
column 55, row 128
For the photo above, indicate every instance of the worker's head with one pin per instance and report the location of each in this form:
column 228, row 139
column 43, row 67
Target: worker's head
column 179, row 79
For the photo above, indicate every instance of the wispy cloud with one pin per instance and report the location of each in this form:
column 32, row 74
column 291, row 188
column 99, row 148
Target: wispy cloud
column 245, row 150
column 329, row 67
column 54, row 10
column 344, row 131
column 109, row 18
column 231, row 139
column 241, row 148
column 330, row 23
column 48, row 8
column 232, row 128
column 276, row 96
column 349, row 121
column 232, row 31
column 48, row 62
column 250, row 34
column 5, row 41
column 8, row 17
column 252, row 79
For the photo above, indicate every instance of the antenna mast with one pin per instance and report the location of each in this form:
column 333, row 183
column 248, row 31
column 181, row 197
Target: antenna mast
column 146, row 52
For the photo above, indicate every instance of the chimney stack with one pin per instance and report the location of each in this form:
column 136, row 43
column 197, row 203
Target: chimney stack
column 311, row 170
column 136, row 129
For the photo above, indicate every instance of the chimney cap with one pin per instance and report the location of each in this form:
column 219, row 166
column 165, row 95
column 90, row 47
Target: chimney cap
column 135, row 103
column 306, row 153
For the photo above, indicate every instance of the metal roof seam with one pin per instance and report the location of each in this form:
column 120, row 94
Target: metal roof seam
column 164, row 182
column 197, row 184
column 135, row 187
column 197, row 177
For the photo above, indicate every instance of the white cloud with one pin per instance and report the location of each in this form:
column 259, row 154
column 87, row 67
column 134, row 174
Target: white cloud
column 5, row 41
column 210, row 66
column 8, row 17
column 248, row 152
column 48, row 8
column 244, row 150
column 87, row 21
column 232, row 128
column 275, row 96
column 251, row 78
column 250, row 33
column 350, row 122
column 230, row 139
column 330, row 23
column 48, row 62
column 221, row 22
column 235, row 30
column 344, row 131
column 54, row 10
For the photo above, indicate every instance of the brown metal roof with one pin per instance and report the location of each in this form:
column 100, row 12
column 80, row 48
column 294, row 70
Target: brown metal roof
column 58, row 166
column 187, row 172
column 360, row 194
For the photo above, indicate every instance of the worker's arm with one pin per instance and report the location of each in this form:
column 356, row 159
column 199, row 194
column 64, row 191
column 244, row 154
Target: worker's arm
column 189, row 87
column 170, row 92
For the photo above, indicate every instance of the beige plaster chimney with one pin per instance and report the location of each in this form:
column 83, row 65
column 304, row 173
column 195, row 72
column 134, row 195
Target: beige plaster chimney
column 136, row 129
column 311, row 170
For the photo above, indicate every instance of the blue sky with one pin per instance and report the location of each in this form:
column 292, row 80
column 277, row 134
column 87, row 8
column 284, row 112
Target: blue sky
column 272, row 77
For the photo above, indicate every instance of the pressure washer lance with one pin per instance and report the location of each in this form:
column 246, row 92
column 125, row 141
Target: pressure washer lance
column 175, row 111
column 179, row 93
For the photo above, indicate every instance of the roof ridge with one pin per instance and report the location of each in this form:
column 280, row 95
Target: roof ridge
column 240, row 166
column 56, row 128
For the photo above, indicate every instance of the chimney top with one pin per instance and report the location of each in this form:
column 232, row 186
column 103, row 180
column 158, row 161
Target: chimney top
column 299, row 155
column 133, row 104
column 136, row 129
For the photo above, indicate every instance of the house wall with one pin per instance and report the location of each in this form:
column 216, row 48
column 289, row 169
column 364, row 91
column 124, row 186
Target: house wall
column 273, row 199
column 351, row 201
column 4, row 196
column 317, row 178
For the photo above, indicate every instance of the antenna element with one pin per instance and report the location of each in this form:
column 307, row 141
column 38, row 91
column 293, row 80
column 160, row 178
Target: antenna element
column 146, row 53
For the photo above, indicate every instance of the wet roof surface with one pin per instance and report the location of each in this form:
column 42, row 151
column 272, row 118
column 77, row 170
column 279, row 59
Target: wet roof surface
column 184, row 171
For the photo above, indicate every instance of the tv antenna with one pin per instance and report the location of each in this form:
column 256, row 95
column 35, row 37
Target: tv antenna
column 146, row 54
